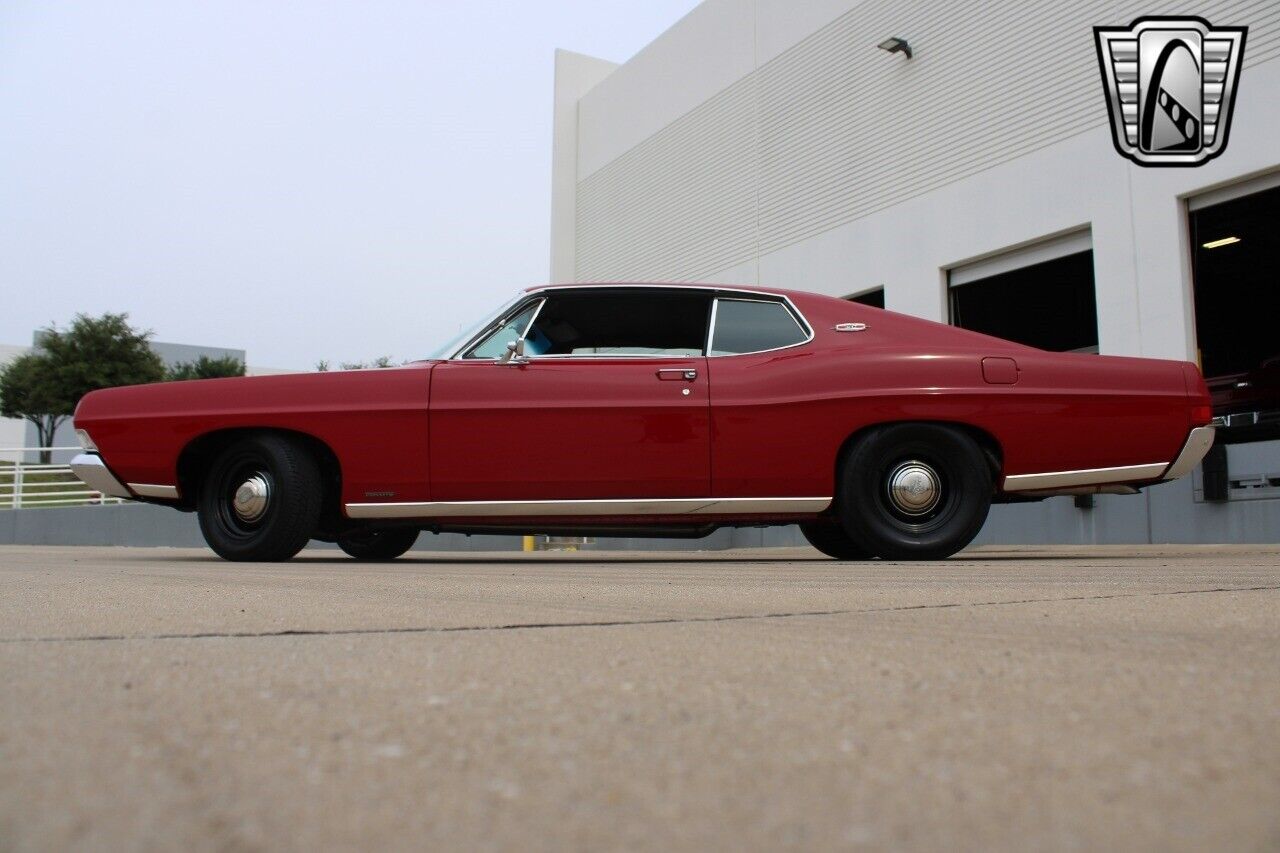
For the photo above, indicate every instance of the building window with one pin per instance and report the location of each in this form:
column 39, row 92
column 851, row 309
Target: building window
column 1236, row 292
column 874, row 298
column 1042, row 296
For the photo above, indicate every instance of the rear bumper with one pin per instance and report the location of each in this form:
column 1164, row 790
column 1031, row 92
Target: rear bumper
column 95, row 474
column 1095, row 480
column 1197, row 445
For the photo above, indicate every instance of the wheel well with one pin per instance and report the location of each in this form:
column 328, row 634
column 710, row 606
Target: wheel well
column 990, row 447
column 198, row 455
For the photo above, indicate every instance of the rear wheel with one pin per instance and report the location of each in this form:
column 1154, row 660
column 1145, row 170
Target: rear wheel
column 378, row 544
column 829, row 538
column 915, row 491
column 260, row 500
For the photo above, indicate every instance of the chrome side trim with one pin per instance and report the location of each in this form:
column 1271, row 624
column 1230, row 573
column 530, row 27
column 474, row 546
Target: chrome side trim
column 1087, row 477
column 612, row 356
column 1103, row 489
column 1198, row 444
column 603, row 507
column 152, row 490
column 95, row 474
column 764, row 505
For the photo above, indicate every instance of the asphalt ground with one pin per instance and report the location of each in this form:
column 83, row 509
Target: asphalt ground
column 1030, row 698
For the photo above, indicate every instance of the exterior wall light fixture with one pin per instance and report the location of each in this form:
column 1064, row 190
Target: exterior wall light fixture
column 896, row 45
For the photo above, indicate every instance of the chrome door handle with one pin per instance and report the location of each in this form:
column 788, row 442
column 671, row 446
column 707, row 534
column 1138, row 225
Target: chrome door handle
column 677, row 374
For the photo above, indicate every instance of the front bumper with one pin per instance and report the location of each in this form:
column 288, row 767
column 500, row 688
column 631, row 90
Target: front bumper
column 95, row 474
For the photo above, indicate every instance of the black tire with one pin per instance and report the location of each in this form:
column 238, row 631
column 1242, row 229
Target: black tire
column 277, row 516
column 378, row 544
column 944, row 491
column 829, row 538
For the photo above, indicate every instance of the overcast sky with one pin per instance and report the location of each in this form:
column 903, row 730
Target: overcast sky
column 301, row 180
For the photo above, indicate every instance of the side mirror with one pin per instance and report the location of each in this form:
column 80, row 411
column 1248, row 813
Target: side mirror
column 515, row 353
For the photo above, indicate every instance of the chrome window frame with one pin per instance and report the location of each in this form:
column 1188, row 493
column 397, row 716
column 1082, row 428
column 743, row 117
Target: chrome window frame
column 543, row 293
column 599, row 356
column 779, row 299
column 516, row 309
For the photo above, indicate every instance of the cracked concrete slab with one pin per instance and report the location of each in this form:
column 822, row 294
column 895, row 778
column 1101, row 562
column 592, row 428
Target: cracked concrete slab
column 1010, row 698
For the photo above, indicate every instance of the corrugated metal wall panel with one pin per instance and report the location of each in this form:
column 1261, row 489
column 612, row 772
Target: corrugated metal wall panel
column 832, row 130
column 991, row 81
column 1261, row 16
column 681, row 200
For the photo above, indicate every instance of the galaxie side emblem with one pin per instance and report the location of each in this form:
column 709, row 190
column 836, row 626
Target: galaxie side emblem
column 1170, row 86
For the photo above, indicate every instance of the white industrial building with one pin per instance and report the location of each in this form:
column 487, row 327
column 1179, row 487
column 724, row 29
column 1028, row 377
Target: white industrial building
column 770, row 142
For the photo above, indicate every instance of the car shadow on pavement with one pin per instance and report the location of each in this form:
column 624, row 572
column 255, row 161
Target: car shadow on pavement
column 664, row 557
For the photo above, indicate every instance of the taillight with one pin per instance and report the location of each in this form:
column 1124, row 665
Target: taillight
column 1201, row 415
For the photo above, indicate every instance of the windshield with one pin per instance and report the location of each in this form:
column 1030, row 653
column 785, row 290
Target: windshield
column 471, row 330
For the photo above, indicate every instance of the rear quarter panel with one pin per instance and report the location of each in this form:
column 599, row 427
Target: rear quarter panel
column 780, row 419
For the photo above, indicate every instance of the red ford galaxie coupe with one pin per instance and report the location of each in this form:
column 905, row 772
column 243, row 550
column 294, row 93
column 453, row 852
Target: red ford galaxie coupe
column 666, row 410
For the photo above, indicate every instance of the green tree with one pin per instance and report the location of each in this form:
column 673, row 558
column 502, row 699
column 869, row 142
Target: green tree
column 380, row 361
column 25, row 393
column 323, row 365
column 45, row 385
column 206, row 368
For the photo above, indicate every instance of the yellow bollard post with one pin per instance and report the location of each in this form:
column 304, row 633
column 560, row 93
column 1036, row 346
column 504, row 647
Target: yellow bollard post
column 528, row 543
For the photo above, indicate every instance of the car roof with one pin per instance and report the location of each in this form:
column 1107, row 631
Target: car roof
column 672, row 285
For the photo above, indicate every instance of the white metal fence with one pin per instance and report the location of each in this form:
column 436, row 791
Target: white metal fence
column 31, row 484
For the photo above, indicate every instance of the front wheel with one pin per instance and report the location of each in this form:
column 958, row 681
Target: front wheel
column 260, row 500
column 915, row 491
column 378, row 544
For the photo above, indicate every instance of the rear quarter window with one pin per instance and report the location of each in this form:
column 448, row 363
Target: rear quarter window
column 743, row 326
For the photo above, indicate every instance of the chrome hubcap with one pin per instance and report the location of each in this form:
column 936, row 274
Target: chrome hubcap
column 914, row 488
column 252, row 498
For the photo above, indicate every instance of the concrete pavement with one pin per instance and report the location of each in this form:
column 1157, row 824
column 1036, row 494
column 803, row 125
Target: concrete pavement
column 1046, row 698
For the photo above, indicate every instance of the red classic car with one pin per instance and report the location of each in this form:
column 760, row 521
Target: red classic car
column 656, row 409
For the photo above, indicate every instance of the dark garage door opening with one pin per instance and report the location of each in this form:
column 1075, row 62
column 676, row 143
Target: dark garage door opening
column 1236, row 257
column 874, row 298
column 1049, row 305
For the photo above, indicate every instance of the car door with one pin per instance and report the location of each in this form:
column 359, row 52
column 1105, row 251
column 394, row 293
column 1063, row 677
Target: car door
column 609, row 401
column 767, row 402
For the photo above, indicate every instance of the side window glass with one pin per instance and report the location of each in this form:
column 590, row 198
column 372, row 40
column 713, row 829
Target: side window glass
column 494, row 344
column 752, row 326
column 634, row 323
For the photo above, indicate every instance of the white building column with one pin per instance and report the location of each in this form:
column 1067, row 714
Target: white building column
column 576, row 74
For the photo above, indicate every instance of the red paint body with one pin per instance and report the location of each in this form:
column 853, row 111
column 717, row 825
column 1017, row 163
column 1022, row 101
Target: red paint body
column 569, row 428
column 759, row 425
